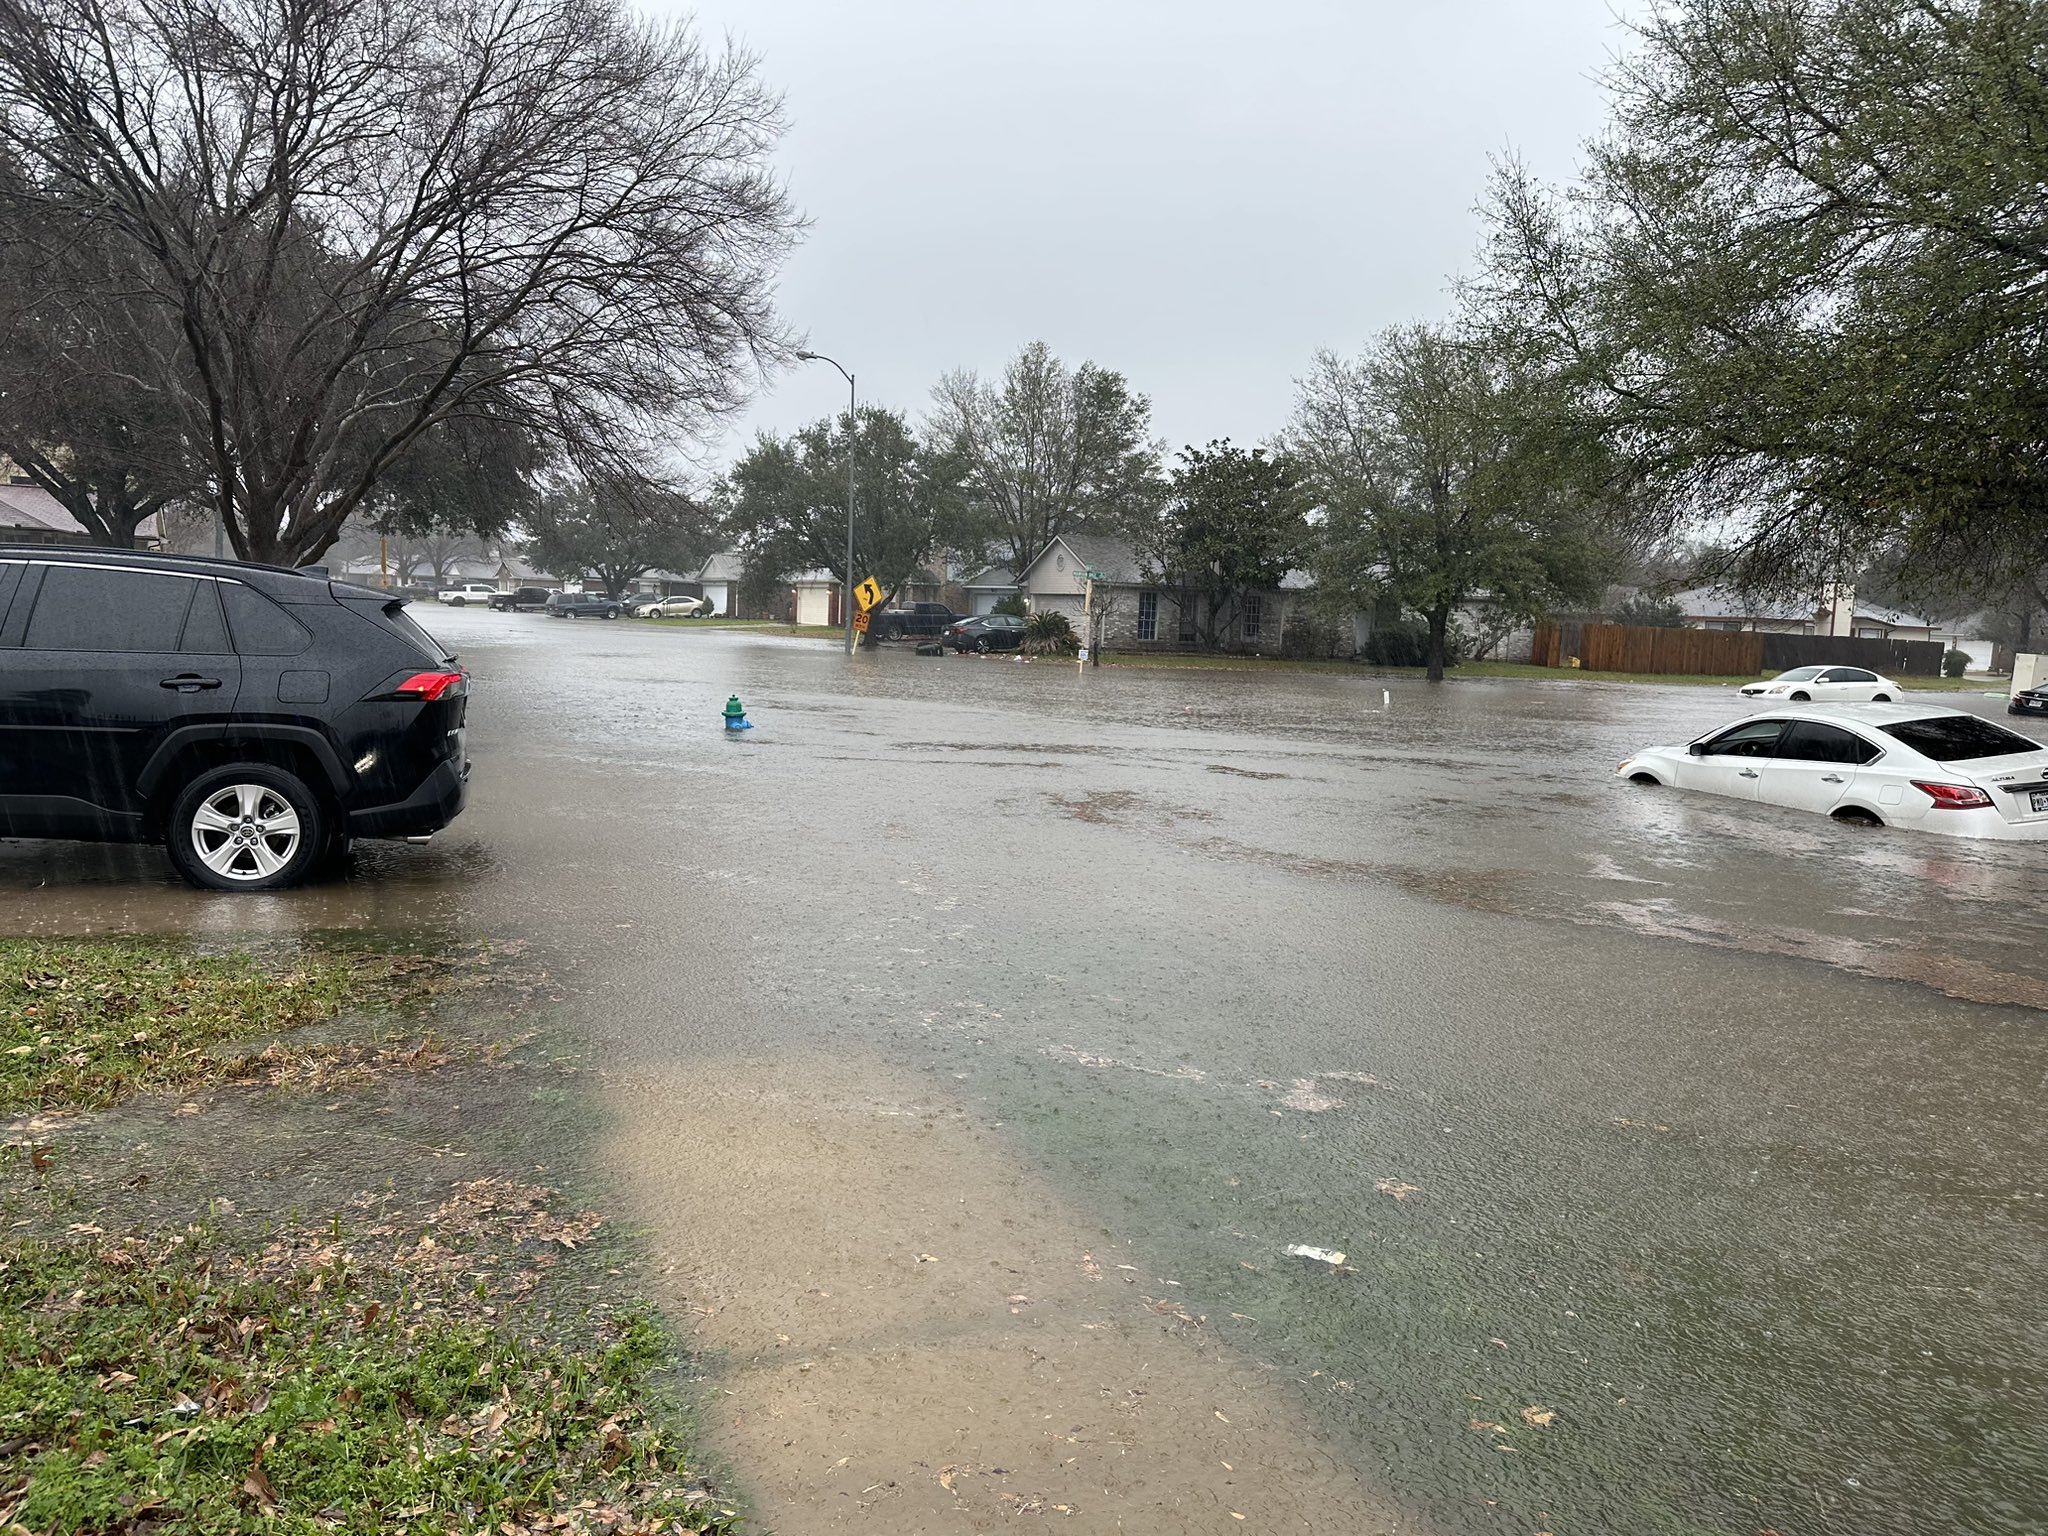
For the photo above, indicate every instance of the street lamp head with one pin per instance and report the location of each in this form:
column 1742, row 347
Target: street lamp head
column 809, row 357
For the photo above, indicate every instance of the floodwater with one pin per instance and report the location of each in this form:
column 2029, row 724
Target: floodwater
column 980, row 1035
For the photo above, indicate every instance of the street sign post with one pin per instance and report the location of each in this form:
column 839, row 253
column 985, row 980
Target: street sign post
column 860, row 621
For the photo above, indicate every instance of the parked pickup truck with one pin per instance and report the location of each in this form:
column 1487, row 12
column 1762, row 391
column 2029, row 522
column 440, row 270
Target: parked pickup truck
column 584, row 605
column 922, row 621
column 520, row 600
column 462, row 595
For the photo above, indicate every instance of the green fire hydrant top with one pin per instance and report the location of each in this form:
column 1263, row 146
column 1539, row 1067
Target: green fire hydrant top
column 733, row 708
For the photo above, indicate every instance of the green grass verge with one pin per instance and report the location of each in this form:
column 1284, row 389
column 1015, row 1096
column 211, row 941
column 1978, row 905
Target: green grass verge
column 1472, row 669
column 83, row 1021
column 199, row 1384
column 762, row 626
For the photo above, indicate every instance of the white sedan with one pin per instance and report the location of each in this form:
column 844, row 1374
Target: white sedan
column 1877, row 765
column 675, row 608
column 1827, row 685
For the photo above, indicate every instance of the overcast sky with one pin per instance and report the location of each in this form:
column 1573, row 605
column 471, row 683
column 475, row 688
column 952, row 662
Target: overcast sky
column 1196, row 192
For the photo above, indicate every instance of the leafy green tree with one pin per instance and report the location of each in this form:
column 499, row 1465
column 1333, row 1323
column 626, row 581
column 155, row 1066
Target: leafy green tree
column 616, row 529
column 1233, row 521
column 1651, row 612
column 1443, row 479
column 76, row 416
column 784, row 503
column 1049, row 450
column 1803, row 280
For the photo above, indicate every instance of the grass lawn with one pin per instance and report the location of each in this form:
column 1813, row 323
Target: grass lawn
column 1480, row 669
column 763, row 626
column 416, row 1340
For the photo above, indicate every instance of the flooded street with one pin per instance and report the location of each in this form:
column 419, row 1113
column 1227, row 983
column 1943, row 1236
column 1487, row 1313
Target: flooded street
column 980, row 1036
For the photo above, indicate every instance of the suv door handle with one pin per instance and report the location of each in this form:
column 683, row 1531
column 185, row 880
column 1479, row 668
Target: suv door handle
column 189, row 682
column 1747, row 773
column 1831, row 778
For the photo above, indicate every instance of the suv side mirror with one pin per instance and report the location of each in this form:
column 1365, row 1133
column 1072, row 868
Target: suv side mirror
column 1698, row 749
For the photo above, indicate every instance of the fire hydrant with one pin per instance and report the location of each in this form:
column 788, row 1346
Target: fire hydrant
column 736, row 715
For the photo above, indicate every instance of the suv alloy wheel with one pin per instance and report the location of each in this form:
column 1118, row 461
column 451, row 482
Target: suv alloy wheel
column 246, row 827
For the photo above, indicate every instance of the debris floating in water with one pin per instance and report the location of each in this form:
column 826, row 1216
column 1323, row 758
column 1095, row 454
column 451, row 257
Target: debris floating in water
column 1334, row 1257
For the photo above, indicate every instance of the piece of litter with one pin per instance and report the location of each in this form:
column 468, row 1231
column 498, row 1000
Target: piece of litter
column 1324, row 1255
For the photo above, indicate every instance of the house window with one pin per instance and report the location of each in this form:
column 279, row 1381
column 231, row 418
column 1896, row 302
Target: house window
column 1186, row 610
column 1254, row 616
column 1148, row 615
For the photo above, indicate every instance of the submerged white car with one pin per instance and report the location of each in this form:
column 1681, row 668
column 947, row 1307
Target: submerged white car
column 1826, row 685
column 1880, row 765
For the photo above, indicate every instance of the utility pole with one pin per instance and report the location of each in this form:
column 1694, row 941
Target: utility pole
column 852, row 441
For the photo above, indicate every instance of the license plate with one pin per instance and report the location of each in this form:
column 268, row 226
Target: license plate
column 2039, row 798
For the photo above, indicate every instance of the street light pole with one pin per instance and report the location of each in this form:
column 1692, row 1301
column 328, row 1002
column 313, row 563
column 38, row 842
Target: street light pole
column 852, row 439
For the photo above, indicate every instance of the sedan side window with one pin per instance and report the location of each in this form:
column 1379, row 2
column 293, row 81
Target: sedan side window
column 1753, row 738
column 1809, row 741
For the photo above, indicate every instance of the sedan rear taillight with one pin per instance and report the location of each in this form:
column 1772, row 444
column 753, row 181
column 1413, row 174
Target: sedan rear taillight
column 428, row 685
column 1954, row 797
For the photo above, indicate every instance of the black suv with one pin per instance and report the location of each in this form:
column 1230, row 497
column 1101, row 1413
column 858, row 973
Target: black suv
column 584, row 605
column 253, row 718
column 922, row 620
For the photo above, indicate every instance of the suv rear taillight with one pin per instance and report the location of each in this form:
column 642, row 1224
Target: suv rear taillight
column 1954, row 797
column 428, row 685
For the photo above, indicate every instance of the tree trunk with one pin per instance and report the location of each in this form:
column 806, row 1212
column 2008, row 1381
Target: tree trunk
column 1439, row 631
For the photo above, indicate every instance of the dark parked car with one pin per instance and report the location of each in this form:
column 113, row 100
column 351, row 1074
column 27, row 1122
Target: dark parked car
column 918, row 620
column 520, row 600
column 2028, row 701
column 987, row 632
column 584, row 605
column 252, row 718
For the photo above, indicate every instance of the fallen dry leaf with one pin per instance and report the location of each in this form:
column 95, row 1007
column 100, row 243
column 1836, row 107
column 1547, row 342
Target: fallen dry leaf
column 946, row 1478
column 1542, row 1418
column 1395, row 1187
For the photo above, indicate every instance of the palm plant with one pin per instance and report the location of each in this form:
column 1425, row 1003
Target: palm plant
column 1047, row 633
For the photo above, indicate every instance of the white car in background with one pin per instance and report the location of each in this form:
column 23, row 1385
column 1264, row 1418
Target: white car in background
column 465, row 594
column 1878, row 765
column 1826, row 685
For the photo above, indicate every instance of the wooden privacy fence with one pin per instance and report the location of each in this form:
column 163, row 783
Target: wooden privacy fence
column 1721, row 652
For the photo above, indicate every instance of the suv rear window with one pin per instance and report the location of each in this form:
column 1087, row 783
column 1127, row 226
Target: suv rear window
column 259, row 626
column 394, row 616
column 1959, row 738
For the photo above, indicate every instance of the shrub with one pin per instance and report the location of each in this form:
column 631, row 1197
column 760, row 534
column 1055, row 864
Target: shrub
column 1955, row 663
column 1405, row 643
column 1047, row 633
column 1309, row 639
column 1013, row 605
column 1652, row 612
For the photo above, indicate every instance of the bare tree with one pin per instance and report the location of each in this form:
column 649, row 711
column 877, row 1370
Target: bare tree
column 369, row 217
column 1049, row 449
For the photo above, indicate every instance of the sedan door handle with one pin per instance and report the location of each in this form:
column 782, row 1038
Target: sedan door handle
column 189, row 682
column 1831, row 778
column 1747, row 773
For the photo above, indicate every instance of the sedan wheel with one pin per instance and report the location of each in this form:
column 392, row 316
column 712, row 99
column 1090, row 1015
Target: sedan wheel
column 1802, row 698
column 981, row 644
column 1880, row 698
